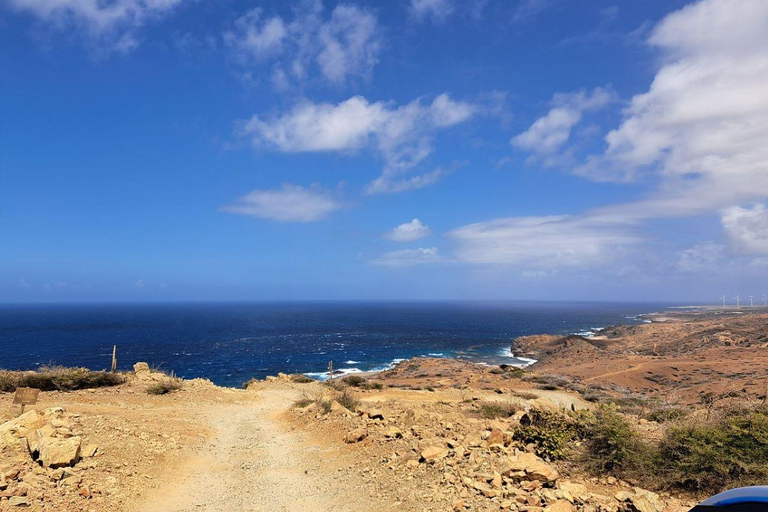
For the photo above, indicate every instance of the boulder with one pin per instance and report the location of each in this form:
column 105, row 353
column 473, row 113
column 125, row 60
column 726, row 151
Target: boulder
column 532, row 467
column 573, row 492
column 393, row 433
column 18, row 501
column 560, row 506
column 496, row 438
column 141, row 369
column 433, row 453
column 640, row 500
column 90, row 450
column 13, row 430
column 58, row 453
column 355, row 436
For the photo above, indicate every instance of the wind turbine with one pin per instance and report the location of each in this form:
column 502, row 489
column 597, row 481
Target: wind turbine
column 750, row 301
column 738, row 303
column 723, row 297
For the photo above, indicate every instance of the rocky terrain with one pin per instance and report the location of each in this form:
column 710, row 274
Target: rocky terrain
column 684, row 355
column 428, row 435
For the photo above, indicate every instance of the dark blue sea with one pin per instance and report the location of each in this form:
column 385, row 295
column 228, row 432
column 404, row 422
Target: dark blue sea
column 230, row 343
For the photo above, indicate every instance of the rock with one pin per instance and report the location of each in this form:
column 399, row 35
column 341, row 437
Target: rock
column 376, row 414
column 393, row 433
column 640, row 500
column 532, row 467
column 458, row 505
column 57, row 453
column 560, row 506
column 141, row 369
column 433, row 453
column 573, row 492
column 544, row 404
column 495, row 438
column 13, row 430
column 90, row 450
column 355, row 436
column 18, row 501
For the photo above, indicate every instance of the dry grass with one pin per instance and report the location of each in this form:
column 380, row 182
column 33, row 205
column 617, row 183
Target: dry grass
column 165, row 386
column 58, row 378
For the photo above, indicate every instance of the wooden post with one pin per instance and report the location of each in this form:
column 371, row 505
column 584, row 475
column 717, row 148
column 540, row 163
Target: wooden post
column 22, row 409
column 114, row 359
column 330, row 369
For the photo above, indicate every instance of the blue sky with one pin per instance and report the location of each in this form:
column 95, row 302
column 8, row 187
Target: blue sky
column 408, row 149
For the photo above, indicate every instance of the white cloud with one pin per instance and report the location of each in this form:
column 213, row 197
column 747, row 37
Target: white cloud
column 548, row 134
column 408, row 257
column 345, row 45
column 386, row 184
column 436, row 10
column 703, row 124
column 409, row 231
column 113, row 23
column 702, row 257
column 139, row 283
column 528, row 9
column 747, row 228
column 402, row 135
column 542, row 242
column 291, row 203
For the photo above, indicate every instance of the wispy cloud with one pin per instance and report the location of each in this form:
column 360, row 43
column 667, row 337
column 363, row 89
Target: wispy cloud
column 747, row 228
column 409, row 231
column 548, row 134
column 542, row 242
column 337, row 48
column 402, row 135
column 409, row 257
column 109, row 26
column 434, row 10
column 290, row 203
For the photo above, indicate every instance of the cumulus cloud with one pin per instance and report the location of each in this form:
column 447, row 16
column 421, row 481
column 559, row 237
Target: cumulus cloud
column 290, row 203
column 702, row 125
column 548, row 134
column 747, row 228
column 409, row 231
column 408, row 257
column 402, row 135
column 112, row 23
column 699, row 132
column 344, row 45
column 547, row 242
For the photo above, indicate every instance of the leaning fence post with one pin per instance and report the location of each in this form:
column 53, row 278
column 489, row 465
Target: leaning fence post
column 114, row 359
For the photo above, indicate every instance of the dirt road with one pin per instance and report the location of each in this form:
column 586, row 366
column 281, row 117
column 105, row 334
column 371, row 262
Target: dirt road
column 255, row 462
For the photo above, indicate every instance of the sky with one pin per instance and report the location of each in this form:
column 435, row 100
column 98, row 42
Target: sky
column 165, row 150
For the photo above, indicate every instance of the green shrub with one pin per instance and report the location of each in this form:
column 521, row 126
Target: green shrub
column 355, row 381
column 58, row 378
column 165, row 386
column 612, row 445
column 710, row 456
column 549, row 432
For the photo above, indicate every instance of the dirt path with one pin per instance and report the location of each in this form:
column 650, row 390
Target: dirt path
column 255, row 462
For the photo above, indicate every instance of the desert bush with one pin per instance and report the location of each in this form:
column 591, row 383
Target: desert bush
column 304, row 401
column 492, row 410
column 355, row 381
column 302, row 379
column 729, row 451
column 666, row 414
column 611, row 445
column 58, row 378
column 348, row 399
column 549, row 432
column 165, row 386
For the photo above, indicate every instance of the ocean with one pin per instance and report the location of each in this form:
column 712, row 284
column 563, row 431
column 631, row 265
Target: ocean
column 230, row 343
